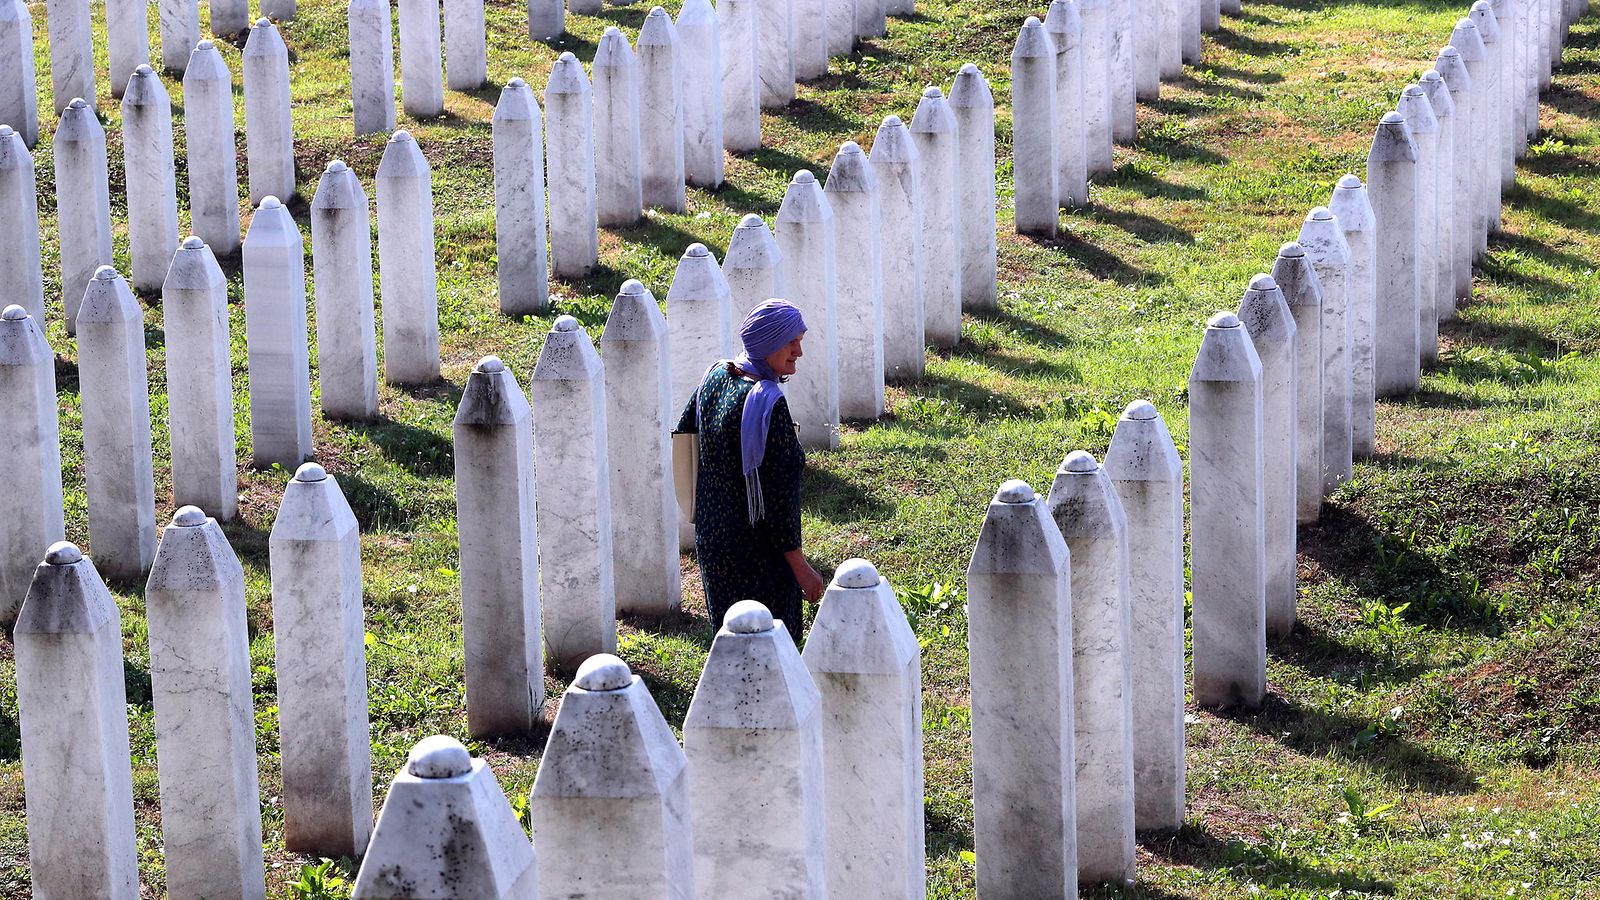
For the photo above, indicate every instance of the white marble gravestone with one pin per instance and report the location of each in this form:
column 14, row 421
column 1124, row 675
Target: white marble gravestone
column 753, row 267
column 756, row 718
column 547, row 19
column 1148, row 23
column 617, row 154
column 421, row 59
column 1353, row 211
column 119, row 475
column 194, row 310
column 1266, row 316
column 610, row 805
column 205, row 718
column 1392, row 182
column 1083, row 502
column 495, row 517
column 973, row 104
column 806, row 241
column 19, row 99
column 1445, row 256
column 867, row 666
column 281, row 10
column 521, row 261
column 210, row 151
column 738, row 27
column 577, row 586
column 1072, row 162
column 321, row 666
column 700, row 324
column 661, row 113
column 853, row 193
column 774, row 40
column 341, row 265
column 896, row 167
column 1493, row 92
column 1020, row 643
column 180, row 32
column 1174, row 19
column 1323, row 239
column 30, row 439
column 371, row 67
column 809, row 39
column 1474, row 56
column 1097, row 77
column 1147, row 473
column 275, row 338
column 841, row 27
column 21, row 266
column 268, row 128
column 409, row 284
column 127, row 41
column 150, row 174
column 230, row 17
column 569, row 153
column 700, row 74
column 71, row 51
column 1227, row 532
column 1314, row 387
column 1453, row 69
column 466, row 51
column 871, row 18
column 1034, row 138
column 1424, row 130
column 73, row 727
column 446, row 830
column 1125, row 26
column 1192, row 30
column 83, row 203
column 936, row 135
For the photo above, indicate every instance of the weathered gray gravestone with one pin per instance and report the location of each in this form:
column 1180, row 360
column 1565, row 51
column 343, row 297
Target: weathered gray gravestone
column 546, row 19
column 896, row 167
column 867, row 666
column 466, row 52
column 119, row 476
column 1174, row 18
column 1492, row 114
column 1392, row 180
column 281, row 10
column 210, row 151
column 756, row 717
column 1085, row 507
column 809, row 39
column 1469, row 46
column 1227, row 534
column 753, row 266
column 150, row 174
column 1444, row 110
column 1297, row 279
column 30, row 438
column 421, row 51
column 853, row 193
column 841, row 27
column 19, row 99
column 577, row 586
column 1019, row 639
column 180, row 32
column 1192, row 31
column 871, row 18
column 973, row 104
column 521, row 264
column 229, row 17
column 205, row 720
column 806, row 241
column 127, row 41
column 341, row 263
column 321, row 666
column 1424, row 130
column 1145, row 469
column 73, row 723
column 1325, row 245
column 1453, row 69
column 1036, row 173
column 619, row 186
column 268, row 129
column 1072, row 162
column 610, row 805
column 21, row 266
column 446, row 830
column 700, row 68
column 1265, row 315
column 1148, row 22
column 569, row 151
column 1508, row 15
column 1353, row 211
column 1097, row 79
column 371, row 67
column 699, row 323
column 774, row 39
column 738, row 27
column 194, row 311
column 407, row 278
column 934, row 131
column 275, row 338
column 83, row 203
column 1124, row 37
column 661, row 109
column 71, row 52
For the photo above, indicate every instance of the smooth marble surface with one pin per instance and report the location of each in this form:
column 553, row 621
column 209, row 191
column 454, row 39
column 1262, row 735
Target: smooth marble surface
column 1174, row 19
column 268, row 129
column 1329, row 252
column 775, row 51
column 700, row 70
column 71, row 51
column 936, row 135
column 230, row 17
column 1125, row 27
column 1034, row 139
column 1266, row 316
column 1072, row 162
column 521, row 262
column 210, row 151
column 841, row 27
column 852, row 191
column 1492, row 87
column 406, row 275
column 1149, row 20
column 21, row 266
column 1508, row 16
column 617, row 153
column 371, row 67
column 150, row 175
column 275, row 338
column 1392, row 174
column 753, row 267
column 807, row 244
column 738, row 27
column 1444, row 235
column 19, row 97
column 1453, row 69
column 1302, row 288
column 30, row 439
column 421, row 58
column 1193, row 15
column 194, row 316
column 700, row 325
column 897, row 168
column 1469, row 45
column 661, row 113
column 1097, row 81
column 127, row 41
column 466, row 51
column 180, row 32
column 1354, row 212
column 973, row 104
column 83, row 203
column 546, row 19
column 341, row 267
column 1424, row 130
column 871, row 18
column 569, row 153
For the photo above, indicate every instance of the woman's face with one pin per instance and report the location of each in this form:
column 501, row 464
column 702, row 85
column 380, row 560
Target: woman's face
column 783, row 361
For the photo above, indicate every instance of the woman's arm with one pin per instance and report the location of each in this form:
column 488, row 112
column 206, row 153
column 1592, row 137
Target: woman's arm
column 780, row 489
column 811, row 583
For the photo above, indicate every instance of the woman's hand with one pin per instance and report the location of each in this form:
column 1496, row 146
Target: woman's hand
column 811, row 583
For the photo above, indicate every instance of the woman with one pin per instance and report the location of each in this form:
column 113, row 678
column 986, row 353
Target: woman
column 747, row 493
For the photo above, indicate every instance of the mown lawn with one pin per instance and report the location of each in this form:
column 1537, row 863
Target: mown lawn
column 1434, row 723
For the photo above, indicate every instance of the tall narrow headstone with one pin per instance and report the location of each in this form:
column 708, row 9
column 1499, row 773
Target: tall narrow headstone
column 1174, row 17
column 700, row 73
column 371, row 67
column 127, row 41
column 547, row 19
column 409, row 284
column 865, row 661
column 1034, row 139
column 268, row 129
column 1148, row 22
column 466, row 51
column 1266, row 316
column 973, row 104
column 871, row 18
column 756, row 717
column 1019, row 641
column 1072, row 161
column 1145, row 469
column 1210, row 15
column 1493, row 92
column 853, row 193
column 1508, row 15
column 1530, row 45
column 1469, row 46
column 841, row 27
column 210, row 151
column 617, row 154
column 1228, row 530
column 150, row 174
column 1356, row 218
column 275, row 338
column 569, row 152
column 775, row 37
column 1192, row 43
column 1314, row 386
column 897, row 168
column 446, row 830
column 521, row 263
column 753, row 267
column 1424, row 130
column 610, row 805
column 341, row 265
column 495, row 518
column 639, row 419
column 739, row 28
column 810, row 38
column 700, row 323
column 19, row 98
column 180, row 32
column 661, row 109
column 71, row 52
column 280, row 10
column 21, row 266
column 83, row 203
column 934, row 131
column 806, row 243
column 205, row 717
column 1444, row 110
column 1392, row 181
column 1453, row 69
column 577, row 586
column 230, row 17
column 1325, row 245
column 73, row 724
column 119, row 475
column 1097, row 90
column 321, row 665
column 194, row 312
column 30, row 437
column 1125, row 27
column 421, row 81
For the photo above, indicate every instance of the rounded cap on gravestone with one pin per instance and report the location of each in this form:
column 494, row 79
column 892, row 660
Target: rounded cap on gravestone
column 66, row 596
column 698, row 279
column 970, row 90
column 439, row 756
column 1482, row 15
column 310, row 473
column 491, row 396
column 1438, row 94
column 1018, row 537
column 22, row 343
column 1227, row 353
column 748, row 617
column 1083, row 502
column 402, row 158
column 752, row 246
column 14, row 155
column 1468, row 42
column 658, row 30
column 14, row 313
column 635, row 318
column 613, row 51
column 145, row 90
column 189, row 517
column 1142, row 448
column 850, row 173
column 1392, row 141
column 1296, row 276
column 568, row 355
column 566, row 77
column 804, row 202
column 1033, row 42
column 1064, row 24
column 856, row 574
column 193, row 556
column 272, row 228
column 490, row 365
column 1265, row 314
column 107, row 299
column 78, row 125
column 860, row 628
column 1418, row 112
column 63, row 553
column 313, row 510
column 194, row 268
column 602, row 671
column 934, row 115
column 1015, row 491
column 517, row 103
column 1453, row 69
column 892, row 146
column 1351, row 206
column 206, row 64
column 1323, row 240
column 264, row 40
column 339, row 188
column 753, row 677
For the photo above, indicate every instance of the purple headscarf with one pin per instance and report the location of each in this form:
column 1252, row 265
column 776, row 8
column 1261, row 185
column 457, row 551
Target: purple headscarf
column 768, row 328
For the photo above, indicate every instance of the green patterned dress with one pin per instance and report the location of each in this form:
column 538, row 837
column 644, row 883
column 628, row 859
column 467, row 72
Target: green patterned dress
column 740, row 561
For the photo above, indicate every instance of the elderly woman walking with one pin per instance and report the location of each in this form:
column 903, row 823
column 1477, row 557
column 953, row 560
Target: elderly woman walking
column 747, row 492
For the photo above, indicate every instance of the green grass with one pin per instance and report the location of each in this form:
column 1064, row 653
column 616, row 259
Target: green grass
column 1433, row 724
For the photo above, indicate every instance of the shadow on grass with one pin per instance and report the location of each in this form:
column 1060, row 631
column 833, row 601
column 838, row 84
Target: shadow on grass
column 1240, row 42
column 1316, row 649
column 1149, row 229
column 840, row 500
column 1101, row 263
column 419, row 451
column 1194, row 845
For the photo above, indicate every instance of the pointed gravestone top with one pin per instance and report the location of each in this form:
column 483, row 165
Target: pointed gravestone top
column 614, row 51
column 1438, row 94
column 1265, row 313
column 1033, row 41
column 635, row 316
column 1392, row 142
column 1468, row 41
column 1226, row 352
column 1141, row 447
column 1295, row 276
column 850, row 172
column 970, row 89
column 752, row 246
column 1416, row 109
column 568, row 354
column 893, row 144
column 1064, row 24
